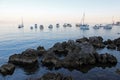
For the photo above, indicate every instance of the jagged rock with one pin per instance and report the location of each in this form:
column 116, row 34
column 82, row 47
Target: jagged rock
column 111, row 46
column 78, row 54
column 41, row 51
column 108, row 42
column 97, row 42
column 26, row 58
column 50, row 60
column 84, row 39
column 117, row 42
column 106, row 58
column 7, row 69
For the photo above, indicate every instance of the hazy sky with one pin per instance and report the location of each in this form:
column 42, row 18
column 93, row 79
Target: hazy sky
column 59, row 10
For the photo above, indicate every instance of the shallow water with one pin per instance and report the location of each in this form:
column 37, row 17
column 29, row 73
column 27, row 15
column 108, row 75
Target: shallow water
column 14, row 40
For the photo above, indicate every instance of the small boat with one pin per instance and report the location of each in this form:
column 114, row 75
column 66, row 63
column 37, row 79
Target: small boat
column 84, row 26
column 35, row 25
column 57, row 25
column 78, row 25
column 67, row 25
column 41, row 27
column 21, row 25
column 50, row 26
column 108, row 26
column 31, row 27
column 97, row 26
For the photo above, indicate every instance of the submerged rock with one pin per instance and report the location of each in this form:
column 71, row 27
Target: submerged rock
column 54, row 76
column 7, row 69
column 26, row 58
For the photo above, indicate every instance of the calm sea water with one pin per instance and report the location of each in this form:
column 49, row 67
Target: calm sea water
column 14, row 40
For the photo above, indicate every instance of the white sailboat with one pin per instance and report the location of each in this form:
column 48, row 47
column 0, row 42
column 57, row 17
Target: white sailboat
column 21, row 25
column 84, row 26
column 108, row 26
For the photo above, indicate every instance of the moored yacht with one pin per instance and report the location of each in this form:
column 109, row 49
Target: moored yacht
column 31, row 27
column 41, row 27
column 35, row 25
column 21, row 25
column 57, row 25
column 84, row 26
column 67, row 25
column 97, row 26
column 50, row 26
column 108, row 26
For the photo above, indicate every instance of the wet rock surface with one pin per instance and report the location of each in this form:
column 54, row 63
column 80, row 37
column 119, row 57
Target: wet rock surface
column 97, row 42
column 41, row 51
column 113, row 44
column 26, row 58
column 77, row 54
column 7, row 69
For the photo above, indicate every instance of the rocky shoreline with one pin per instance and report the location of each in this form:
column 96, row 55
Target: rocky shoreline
column 70, row 54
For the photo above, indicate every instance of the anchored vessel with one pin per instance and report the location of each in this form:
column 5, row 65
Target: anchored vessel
column 21, row 25
column 84, row 26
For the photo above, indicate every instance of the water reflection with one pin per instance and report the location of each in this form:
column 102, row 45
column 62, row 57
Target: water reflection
column 85, row 68
column 14, row 40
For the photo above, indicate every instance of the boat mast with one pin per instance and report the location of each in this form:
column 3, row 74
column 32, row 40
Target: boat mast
column 22, row 21
column 83, row 18
column 113, row 20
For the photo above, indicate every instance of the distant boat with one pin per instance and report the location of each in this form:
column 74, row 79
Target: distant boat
column 97, row 26
column 21, row 25
column 84, row 26
column 108, row 26
column 57, row 25
column 31, row 27
column 67, row 25
column 35, row 25
column 78, row 25
column 117, row 24
column 41, row 27
column 50, row 26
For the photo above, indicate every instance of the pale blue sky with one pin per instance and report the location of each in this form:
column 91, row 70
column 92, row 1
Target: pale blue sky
column 60, row 10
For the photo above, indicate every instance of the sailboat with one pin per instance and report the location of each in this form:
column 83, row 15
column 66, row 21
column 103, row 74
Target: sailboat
column 84, row 26
column 109, row 26
column 21, row 25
